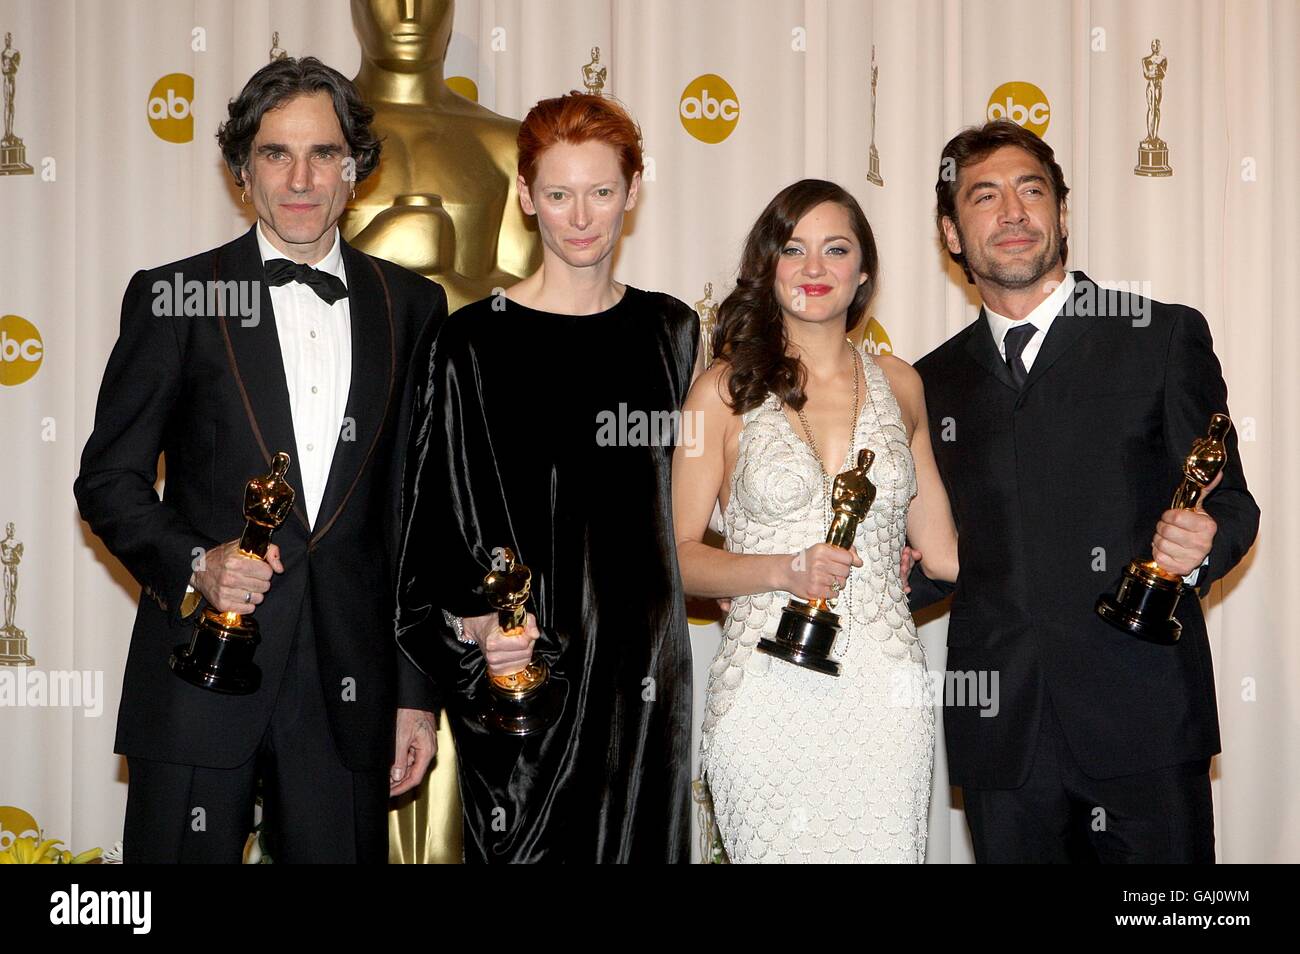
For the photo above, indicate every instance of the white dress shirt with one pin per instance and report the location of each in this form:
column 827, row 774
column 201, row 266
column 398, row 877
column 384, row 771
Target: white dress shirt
column 316, row 349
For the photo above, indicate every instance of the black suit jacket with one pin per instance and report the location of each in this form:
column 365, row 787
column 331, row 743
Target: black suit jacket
column 1054, row 488
column 209, row 393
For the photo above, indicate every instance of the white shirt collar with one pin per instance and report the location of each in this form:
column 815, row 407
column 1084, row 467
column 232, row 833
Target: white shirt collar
column 332, row 262
column 1041, row 317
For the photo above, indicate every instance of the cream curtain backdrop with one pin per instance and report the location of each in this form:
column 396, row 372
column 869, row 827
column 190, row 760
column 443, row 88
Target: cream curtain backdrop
column 109, row 196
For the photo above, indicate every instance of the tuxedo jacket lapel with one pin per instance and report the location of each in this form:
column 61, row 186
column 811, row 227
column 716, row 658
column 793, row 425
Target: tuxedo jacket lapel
column 981, row 346
column 1069, row 324
column 374, row 367
column 253, row 349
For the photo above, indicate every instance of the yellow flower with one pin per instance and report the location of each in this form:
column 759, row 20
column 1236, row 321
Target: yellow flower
column 26, row 851
column 84, row 858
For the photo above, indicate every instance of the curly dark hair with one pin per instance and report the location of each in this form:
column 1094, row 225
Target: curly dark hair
column 976, row 144
column 751, row 335
column 280, row 81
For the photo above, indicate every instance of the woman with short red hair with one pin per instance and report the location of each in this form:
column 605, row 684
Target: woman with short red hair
column 547, row 425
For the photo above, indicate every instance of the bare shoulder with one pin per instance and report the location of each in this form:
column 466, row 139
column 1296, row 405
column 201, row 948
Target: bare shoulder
column 906, row 384
column 709, row 392
column 903, row 378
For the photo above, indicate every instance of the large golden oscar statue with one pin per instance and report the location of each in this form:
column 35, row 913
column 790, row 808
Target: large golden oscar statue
column 443, row 200
column 442, row 203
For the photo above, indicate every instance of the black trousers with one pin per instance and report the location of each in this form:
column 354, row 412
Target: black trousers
column 1061, row 815
column 316, row 809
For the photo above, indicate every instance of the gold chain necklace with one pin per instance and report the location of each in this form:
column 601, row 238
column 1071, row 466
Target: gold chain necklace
column 858, row 374
column 853, row 432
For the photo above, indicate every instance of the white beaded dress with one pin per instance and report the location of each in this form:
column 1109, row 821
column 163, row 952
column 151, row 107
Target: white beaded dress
column 803, row 766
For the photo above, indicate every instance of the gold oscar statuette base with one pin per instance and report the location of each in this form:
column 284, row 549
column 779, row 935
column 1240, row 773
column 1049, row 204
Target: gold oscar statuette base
column 805, row 637
column 1153, row 160
column 13, row 159
column 1144, row 604
column 13, row 648
column 219, row 656
column 522, row 703
column 873, row 170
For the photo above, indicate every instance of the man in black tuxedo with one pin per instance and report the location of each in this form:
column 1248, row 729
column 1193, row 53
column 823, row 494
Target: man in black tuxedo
column 286, row 339
column 1060, row 420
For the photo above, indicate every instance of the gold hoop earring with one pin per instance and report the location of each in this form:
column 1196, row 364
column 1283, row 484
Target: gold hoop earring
column 354, row 192
column 243, row 196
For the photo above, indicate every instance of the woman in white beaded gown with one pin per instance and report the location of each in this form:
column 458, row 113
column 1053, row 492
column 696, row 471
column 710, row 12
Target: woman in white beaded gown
column 801, row 765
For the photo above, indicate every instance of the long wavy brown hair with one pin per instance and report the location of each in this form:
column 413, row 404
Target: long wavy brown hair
column 751, row 335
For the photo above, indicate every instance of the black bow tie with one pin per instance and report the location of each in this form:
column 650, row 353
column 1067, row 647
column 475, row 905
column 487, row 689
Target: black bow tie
column 330, row 288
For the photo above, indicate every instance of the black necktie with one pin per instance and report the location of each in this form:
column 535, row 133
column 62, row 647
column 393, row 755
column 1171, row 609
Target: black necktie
column 330, row 288
column 1017, row 337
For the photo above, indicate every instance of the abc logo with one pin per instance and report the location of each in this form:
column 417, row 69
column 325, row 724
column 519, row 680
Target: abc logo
column 171, row 116
column 709, row 108
column 21, row 350
column 876, row 339
column 14, row 824
column 1022, row 103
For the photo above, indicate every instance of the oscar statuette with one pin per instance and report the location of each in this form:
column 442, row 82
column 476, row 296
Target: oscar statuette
column 1144, row 604
column 522, row 702
column 807, row 631
column 219, row 656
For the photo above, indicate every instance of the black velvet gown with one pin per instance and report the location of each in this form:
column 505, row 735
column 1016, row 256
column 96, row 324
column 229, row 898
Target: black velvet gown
column 551, row 434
